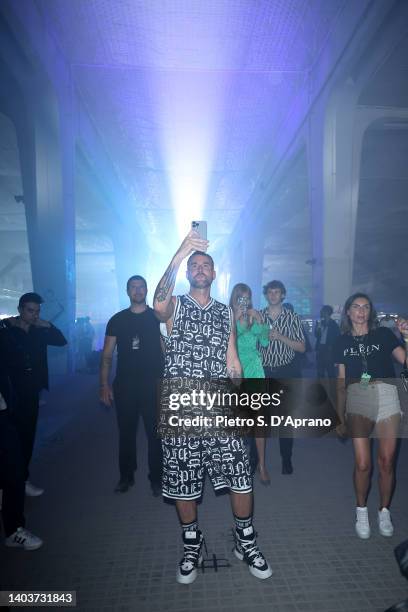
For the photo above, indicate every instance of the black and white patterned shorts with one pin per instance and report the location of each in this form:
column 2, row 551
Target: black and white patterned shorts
column 186, row 459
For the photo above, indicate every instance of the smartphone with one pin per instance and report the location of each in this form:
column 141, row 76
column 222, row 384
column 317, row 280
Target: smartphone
column 243, row 302
column 201, row 228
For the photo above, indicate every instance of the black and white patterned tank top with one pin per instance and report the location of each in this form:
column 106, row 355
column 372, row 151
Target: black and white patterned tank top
column 197, row 345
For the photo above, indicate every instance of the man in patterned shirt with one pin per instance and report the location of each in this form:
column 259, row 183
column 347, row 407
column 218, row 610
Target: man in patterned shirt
column 200, row 345
column 286, row 338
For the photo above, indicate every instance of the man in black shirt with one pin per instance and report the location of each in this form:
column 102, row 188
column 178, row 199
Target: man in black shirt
column 326, row 334
column 24, row 341
column 136, row 333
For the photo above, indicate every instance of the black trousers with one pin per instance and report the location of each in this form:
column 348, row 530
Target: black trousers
column 24, row 414
column 12, row 475
column 131, row 403
column 324, row 362
column 290, row 370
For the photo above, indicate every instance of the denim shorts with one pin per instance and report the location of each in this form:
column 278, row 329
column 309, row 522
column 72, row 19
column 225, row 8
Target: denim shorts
column 376, row 401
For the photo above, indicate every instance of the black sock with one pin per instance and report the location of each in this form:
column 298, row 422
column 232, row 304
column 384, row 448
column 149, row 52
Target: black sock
column 243, row 523
column 190, row 526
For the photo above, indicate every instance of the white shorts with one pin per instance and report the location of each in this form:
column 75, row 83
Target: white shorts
column 376, row 401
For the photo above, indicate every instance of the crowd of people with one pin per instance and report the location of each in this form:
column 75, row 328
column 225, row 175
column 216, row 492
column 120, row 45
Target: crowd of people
column 206, row 340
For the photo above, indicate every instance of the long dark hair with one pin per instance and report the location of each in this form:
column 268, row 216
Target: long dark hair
column 346, row 325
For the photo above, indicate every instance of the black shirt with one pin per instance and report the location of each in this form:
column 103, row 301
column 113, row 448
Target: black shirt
column 24, row 354
column 377, row 346
column 140, row 355
column 333, row 331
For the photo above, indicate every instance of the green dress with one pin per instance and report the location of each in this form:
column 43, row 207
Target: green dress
column 247, row 340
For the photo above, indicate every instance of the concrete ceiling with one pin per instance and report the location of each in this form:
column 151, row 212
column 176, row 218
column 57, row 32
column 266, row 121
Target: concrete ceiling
column 193, row 93
column 188, row 96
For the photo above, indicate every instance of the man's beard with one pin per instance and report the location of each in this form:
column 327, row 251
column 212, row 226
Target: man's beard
column 138, row 300
column 200, row 284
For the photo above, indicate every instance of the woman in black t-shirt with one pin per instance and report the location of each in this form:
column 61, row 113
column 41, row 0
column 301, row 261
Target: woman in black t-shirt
column 367, row 400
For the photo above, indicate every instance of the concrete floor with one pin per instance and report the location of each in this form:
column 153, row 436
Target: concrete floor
column 120, row 552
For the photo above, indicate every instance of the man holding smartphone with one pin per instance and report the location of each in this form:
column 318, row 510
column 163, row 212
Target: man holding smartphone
column 201, row 346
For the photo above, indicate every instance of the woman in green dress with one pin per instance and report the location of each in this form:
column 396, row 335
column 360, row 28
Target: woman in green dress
column 250, row 332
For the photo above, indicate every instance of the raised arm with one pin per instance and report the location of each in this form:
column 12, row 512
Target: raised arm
column 53, row 336
column 399, row 353
column 163, row 304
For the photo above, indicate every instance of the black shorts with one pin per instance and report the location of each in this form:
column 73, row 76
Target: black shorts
column 185, row 460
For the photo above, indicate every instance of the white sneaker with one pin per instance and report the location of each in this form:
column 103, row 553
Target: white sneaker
column 385, row 525
column 31, row 490
column 362, row 523
column 192, row 559
column 22, row 538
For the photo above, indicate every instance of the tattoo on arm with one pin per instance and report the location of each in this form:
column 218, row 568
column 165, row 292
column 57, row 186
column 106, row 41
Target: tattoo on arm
column 166, row 284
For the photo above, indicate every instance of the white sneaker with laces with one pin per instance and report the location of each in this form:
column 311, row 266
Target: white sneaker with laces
column 192, row 559
column 385, row 526
column 362, row 523
column 22, row 538
column 31, row 490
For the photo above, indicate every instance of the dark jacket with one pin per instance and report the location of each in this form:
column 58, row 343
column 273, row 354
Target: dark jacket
column 333, row 331
column 25, row 353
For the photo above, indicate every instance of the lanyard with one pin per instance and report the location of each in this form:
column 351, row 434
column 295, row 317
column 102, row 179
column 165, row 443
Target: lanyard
column 362, row 351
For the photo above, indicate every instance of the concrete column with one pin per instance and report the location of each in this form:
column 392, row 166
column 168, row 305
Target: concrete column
column 48, row 179
column 46, row 148
column 315, row 156
column 335, row 195
column 334, row 153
